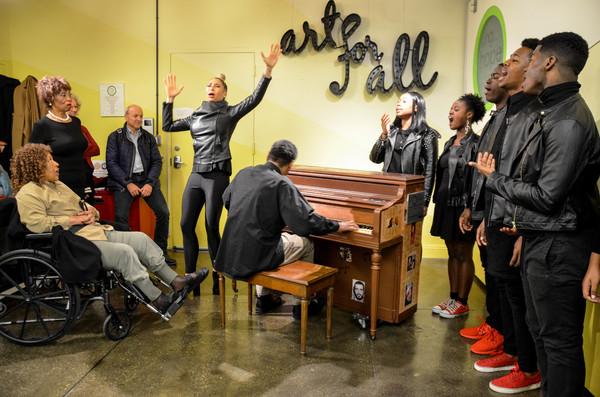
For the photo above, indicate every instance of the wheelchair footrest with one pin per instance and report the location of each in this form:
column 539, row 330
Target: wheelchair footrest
column 177, row 303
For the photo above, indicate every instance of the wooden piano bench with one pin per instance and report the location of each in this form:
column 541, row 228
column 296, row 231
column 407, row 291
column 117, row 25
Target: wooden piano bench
column 297, row 278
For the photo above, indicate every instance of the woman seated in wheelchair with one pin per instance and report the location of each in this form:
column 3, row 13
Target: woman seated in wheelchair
column 43, row 202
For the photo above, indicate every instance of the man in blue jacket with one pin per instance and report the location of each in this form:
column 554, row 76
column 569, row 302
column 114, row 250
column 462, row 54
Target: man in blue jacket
column 134, row 164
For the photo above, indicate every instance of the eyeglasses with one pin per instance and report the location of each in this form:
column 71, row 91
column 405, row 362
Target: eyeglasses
column 83, row 205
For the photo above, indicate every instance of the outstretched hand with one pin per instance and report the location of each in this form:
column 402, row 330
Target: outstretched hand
column 171, row 87
column 271, row 59
column 486, row 164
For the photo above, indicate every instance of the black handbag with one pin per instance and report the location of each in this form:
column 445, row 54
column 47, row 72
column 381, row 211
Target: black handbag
column 77, row 258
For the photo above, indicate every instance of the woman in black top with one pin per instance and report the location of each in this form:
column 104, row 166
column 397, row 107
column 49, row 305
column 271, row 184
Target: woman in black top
column 61, row 132
column 211, row 127
column 408, row 145
column 450, row 196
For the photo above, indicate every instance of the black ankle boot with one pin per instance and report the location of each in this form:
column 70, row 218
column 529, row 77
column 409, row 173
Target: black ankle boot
column 215, row 287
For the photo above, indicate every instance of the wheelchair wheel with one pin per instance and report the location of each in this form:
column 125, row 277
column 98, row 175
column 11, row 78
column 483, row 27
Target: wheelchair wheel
column 131, row 302
column 37, row 306
column 117, row 325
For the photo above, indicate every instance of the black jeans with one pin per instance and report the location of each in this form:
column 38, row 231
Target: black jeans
column 554, row 264
column 202, row 188
column 517, row 337
column 156, row 201
column 492, row 299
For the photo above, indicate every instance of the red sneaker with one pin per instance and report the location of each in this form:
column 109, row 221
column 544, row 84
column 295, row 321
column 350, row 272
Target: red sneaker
column 438, row 308
column 455, row 309
column 476, row 333
column 516, row 382
column 491, row 343
column 499, row 362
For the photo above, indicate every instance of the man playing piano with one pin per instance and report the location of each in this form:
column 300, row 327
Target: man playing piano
column 261, row 201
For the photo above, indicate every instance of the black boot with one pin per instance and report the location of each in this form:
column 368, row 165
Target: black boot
column 215, row 283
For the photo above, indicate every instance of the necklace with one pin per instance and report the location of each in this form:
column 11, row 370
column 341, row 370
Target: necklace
column 59, row 118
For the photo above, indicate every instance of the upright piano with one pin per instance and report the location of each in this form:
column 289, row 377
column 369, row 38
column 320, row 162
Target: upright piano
column 379, row 264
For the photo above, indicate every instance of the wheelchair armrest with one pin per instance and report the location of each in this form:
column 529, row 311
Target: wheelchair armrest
column 38, row 236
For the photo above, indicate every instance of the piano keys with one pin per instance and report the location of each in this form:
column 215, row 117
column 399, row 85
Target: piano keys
column 385, row 253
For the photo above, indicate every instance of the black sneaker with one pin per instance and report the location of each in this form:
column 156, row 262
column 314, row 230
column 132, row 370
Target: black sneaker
column 267, row 303
column 314, row 308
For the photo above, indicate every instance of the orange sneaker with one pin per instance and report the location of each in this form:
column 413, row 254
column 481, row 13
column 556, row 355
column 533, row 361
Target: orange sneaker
column 455, row 309
column 516, row 382
column 438, row 308
column 499, row 362
column 476, row 333
column 491, row 343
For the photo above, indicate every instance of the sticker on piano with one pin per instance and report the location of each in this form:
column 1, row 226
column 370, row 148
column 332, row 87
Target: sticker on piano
column 358, row 290
column 411, row 261
column 346, row 254
column 408, row 296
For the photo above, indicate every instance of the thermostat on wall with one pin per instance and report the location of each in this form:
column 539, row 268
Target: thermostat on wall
column 148, row 125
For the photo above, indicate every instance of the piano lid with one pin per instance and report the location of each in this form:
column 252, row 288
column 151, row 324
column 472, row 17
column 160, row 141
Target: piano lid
column 369, row 186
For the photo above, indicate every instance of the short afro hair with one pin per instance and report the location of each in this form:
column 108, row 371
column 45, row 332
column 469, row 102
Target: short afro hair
column 283, row 152
column 570, row 49
column 475, row 104
column 49, row 87
column 530, row 43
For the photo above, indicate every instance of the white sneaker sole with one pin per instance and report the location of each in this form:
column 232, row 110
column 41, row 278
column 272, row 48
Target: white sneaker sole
column 493, row 369
column 437, row 309
column 506, row 390
column 448, row 315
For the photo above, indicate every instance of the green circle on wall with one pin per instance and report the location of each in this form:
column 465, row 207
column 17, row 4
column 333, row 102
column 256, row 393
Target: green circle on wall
column 490, row 49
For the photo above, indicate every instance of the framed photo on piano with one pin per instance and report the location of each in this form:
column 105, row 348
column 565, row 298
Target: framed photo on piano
column 415, row 203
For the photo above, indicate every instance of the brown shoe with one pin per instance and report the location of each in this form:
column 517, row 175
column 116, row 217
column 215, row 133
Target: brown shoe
column 164, row 301
column 184, row 285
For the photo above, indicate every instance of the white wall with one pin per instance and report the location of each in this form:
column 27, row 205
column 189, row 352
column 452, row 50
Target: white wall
column 526, row 19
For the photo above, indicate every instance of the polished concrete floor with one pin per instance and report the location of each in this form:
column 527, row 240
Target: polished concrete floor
column 255, row 355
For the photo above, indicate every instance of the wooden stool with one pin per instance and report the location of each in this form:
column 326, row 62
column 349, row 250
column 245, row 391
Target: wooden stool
column 297, row 278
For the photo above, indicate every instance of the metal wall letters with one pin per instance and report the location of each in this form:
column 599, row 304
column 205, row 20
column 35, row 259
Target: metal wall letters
column 356, row 54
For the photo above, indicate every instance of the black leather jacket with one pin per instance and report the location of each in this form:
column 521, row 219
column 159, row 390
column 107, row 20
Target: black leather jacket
column 212, row 125
column 518, row 126
column 419, row 155
column 458, row 169
column 557, row 173
column 476, row 180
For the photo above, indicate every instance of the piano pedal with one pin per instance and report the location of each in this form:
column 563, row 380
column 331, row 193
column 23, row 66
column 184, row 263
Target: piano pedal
column 363, row 321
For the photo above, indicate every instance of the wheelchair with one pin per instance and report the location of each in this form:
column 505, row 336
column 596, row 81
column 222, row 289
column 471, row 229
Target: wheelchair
column 37, row 307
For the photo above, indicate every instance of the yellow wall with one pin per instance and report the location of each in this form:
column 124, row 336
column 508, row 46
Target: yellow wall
column 111, row 41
